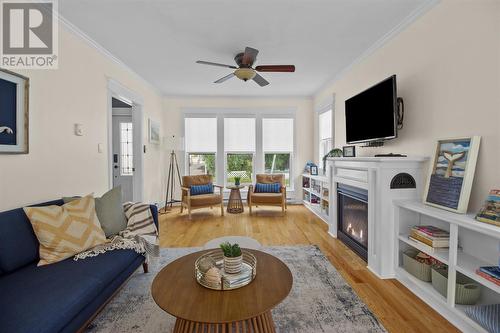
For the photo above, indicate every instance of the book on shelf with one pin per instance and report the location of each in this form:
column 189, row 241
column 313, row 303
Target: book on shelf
column 430, row 241
column 488, row 277
column 426, row 247
column 493, row 271
column 490, row 212
column 432, row 231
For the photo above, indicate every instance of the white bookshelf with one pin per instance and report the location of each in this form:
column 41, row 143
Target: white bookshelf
column 472, row 244
column 315, row 195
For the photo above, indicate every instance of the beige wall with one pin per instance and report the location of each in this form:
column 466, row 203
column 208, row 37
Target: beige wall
column 60, row 163
column 173, row 124
column 448, row 68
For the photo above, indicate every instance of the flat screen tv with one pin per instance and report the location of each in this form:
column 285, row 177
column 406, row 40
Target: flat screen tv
column 371, row 114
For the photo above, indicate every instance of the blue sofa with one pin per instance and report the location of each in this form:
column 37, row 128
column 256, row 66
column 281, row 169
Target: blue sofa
column 61, row 297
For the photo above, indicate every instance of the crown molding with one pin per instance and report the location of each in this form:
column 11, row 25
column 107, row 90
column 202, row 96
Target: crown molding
column 95, row 45
column 241, row 97
column 412, row 17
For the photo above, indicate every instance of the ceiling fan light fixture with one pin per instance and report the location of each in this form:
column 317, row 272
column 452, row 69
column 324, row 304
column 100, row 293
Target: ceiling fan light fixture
column 244, row 74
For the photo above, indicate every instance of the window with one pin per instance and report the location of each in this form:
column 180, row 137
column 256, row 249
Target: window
column 277, row 144
column 126, row 150
column 229, row 144
column 201, row 145
column 239, row 146
column 325, row 134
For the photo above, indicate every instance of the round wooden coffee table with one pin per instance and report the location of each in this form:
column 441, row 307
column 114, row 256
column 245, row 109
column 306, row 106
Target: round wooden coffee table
column 235, row 204
column 198, row 309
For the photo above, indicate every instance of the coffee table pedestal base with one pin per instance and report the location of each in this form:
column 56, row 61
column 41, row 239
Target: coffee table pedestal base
column 261, row 324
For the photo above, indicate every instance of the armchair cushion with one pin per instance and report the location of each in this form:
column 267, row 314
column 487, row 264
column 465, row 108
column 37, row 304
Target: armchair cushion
column 267, row 188
column 266, row 178
column 205, row 200
column 202, row 189
column 267, row 198
column 188, row 181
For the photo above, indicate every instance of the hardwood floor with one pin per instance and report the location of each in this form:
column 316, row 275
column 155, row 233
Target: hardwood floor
column 395, row 306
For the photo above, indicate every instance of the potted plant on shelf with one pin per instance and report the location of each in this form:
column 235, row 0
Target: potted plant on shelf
column 233, row 258
column 237, row 180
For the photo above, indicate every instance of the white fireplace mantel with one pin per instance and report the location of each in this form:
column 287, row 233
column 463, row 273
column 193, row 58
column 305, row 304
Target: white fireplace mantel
column 375, row 174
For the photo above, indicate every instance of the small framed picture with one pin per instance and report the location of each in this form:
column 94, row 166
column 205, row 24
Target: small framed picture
column 349, row 151
column 314, row 170
column 154, row 132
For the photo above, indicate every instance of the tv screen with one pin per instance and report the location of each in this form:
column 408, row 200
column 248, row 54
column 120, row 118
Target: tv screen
column 371, row 114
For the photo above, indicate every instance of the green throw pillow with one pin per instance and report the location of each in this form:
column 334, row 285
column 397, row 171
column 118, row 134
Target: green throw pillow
column 109, row 210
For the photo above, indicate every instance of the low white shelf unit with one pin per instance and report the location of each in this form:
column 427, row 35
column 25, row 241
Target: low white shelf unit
column 472, row 244
column 316, row 195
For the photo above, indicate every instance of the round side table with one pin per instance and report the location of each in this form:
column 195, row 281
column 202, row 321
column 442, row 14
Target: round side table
column 244, row 310
column 235, row 204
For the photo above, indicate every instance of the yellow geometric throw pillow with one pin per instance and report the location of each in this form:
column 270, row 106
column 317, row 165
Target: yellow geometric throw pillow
column 66, row 230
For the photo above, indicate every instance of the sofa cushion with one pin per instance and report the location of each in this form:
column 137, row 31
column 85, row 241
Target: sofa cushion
column 268, row 188
column 46, row 298
column 66, row 230
column 188, row 181
column 109, row 210
column 18, row 243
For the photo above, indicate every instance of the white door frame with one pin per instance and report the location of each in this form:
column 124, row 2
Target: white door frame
column 117, row 90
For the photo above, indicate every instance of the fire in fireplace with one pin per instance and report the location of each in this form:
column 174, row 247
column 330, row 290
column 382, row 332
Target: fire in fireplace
column 353, row 218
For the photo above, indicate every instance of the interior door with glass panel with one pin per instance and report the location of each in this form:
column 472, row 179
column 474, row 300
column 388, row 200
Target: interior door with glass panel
column 123, row 156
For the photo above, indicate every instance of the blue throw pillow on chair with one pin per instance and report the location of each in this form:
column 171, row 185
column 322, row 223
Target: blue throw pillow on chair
column 267, row 188
column 202, row 189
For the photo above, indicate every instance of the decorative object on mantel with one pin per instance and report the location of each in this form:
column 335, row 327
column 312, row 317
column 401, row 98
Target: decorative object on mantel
column 490, row 212
column 336, row 152
column 212, row 272
column 154, row 131
column 450, row 182
column 349, row 151
column 14, row 93
column 233, row 258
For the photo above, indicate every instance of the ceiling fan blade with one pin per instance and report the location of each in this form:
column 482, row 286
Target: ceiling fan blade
column 260, row 80
column 215, row 64
column 249, row 56
column 225, row 78
column 275, row 68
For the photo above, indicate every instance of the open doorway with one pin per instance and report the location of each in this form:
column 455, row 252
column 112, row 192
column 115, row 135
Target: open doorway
column 125, row 142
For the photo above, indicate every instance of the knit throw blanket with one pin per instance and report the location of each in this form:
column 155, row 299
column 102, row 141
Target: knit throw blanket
column 140, row 235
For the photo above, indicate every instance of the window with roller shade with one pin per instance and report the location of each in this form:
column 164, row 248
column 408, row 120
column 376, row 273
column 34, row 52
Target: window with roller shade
column 277, row 143
column 201, row 145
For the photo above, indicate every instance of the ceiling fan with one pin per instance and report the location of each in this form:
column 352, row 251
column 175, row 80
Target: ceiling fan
column 244, row 71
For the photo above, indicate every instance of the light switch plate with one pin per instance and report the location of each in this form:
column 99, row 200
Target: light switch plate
column 78, row 129
column 100, row 148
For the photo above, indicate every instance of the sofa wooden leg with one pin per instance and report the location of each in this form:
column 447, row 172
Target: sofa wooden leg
column 182, row 207
column 189, row 212
column 222, row 208
column 145, row 267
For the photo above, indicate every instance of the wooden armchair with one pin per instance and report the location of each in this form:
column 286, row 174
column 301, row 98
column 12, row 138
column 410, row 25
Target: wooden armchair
column 268, row 199
column 202, row 200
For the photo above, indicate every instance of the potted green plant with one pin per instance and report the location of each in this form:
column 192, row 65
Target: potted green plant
column 233, row 258
column 237, row 180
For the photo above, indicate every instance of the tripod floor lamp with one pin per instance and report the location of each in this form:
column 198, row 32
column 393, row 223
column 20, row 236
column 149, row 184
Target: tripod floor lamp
column 172, row 143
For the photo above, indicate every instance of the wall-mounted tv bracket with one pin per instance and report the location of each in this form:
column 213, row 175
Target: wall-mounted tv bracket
column 400, row 113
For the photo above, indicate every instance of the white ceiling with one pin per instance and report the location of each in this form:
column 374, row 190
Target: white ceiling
column 161, row 40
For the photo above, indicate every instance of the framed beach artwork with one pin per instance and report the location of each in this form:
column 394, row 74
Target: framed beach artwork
column 14, row 92
column 154, row 132
column 450, row 180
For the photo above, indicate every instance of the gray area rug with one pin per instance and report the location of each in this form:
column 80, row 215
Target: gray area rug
column 320, row 300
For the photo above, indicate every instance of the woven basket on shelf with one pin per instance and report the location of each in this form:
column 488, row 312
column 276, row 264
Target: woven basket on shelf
column 419, row 270
column 467, row 291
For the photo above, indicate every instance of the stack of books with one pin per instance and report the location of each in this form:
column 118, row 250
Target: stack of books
column 430, row 237
column 490, row 273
